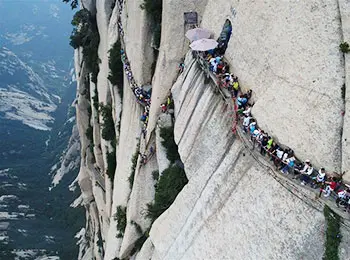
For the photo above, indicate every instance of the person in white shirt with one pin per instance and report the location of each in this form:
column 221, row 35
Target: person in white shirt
column 248, row 109
column 279, row 153
column 306, row 173
column 246, row 121
column 343, row 195
column 289, row 165
column 321, row 175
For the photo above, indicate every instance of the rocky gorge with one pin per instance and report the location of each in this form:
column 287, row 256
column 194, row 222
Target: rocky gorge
column 229, row 205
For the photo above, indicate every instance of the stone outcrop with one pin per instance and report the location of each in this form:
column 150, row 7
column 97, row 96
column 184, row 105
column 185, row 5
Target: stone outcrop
column 233, row 207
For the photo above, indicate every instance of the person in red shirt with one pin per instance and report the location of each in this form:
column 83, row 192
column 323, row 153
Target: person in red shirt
column 330, row 187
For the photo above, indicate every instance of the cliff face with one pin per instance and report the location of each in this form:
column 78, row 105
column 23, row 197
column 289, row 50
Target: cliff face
column 234, row 206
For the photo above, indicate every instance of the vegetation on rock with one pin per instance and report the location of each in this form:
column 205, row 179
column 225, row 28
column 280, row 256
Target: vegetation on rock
column 155, row 175
column 85, row 34
column 108, row 133
column 73, row 3
column 108, row 130
column 120, row 216
column 171, row 182
column 111, row 164
column 344, row 47
column 95, row 99
column 333, row 236
column 167, row 133
column 116, row 76
column 90, row 133
column 134, row 159
column 154, row 10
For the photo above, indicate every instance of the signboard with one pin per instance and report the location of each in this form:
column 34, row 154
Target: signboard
column 191, row 18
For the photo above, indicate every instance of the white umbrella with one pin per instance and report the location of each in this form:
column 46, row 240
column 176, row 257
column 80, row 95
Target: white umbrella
column 198, row 33
column 204, row 45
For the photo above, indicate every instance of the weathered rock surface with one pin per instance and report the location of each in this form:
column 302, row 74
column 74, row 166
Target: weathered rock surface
column 173, row 47
column 232, row 207
column 344, row 7
column 297, row 86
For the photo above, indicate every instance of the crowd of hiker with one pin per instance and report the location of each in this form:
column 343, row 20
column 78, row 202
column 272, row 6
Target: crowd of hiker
column 143, row 97
column 283, row 158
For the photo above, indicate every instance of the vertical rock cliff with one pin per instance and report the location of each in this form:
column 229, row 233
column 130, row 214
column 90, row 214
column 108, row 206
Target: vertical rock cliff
column 232, row 204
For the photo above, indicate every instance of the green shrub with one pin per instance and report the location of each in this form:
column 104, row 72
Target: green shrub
column 95, row 99
column 111, row 164
column 73, row 3
column 333, row 236
column 108, row 130
column 167, row 133
column 344, row 47
column 154, row 9
column 90, row 133
column 155, row 175
column 134, row 159
column 85, row 34
column 120, row 216
column 171, row 182
column 86, row 90
column 157, row 32
column 116, row 76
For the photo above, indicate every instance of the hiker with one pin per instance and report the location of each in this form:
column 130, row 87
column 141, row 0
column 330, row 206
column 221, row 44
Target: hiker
column 181, row 67
column 235, row 86
column 321, row 176
column 246, row 121
column 242, row 101
column 281, row 157
column 247, row 110
column 329, row 188
column 169, row 99
column 249, row 94
column 220, row 67
column 143, row 117
column 213, row 65
column 252, row 126
column 302, row 168
column 226, row 68
column 254, row 136
column 163, row 107
column 289, row 165
column 143, row 158
column 263, row 145
column 269, row 143
column 306, row 173
column 144, row 132
column 343, row 196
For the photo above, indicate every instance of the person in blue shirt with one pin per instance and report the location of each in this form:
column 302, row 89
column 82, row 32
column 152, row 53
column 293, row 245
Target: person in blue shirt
column 241, row 101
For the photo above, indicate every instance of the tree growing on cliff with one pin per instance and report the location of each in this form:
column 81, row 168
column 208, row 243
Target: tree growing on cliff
column 85, row 34
column 108, row 130
column 154, row 10
column 73, row 3
column 116, row 68
column 171, row 182
column 167, row 134
column 344, row 47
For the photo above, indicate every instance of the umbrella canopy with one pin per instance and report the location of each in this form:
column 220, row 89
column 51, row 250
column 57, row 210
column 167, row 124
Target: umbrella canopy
column 197, row 34
column 204, row 45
